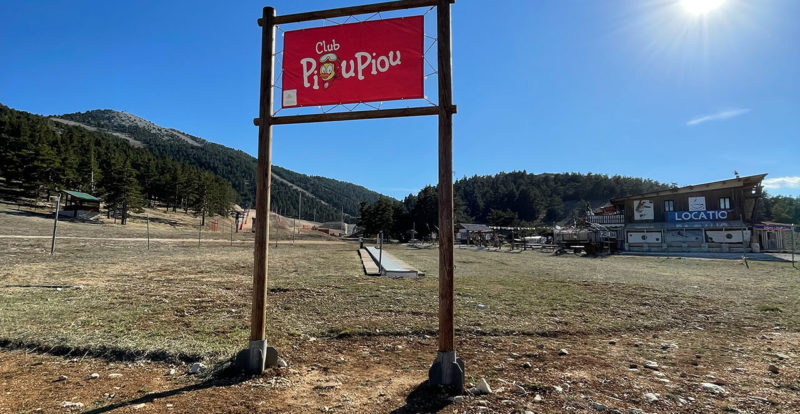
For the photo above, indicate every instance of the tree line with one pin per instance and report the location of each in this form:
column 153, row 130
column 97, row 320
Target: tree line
column 41, row 156
column 522, row 199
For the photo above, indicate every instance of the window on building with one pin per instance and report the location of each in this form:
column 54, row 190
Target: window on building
column 669, row 205
column 725, row 203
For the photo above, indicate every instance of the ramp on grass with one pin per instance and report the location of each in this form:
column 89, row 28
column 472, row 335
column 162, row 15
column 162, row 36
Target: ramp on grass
column 390, row 265
column 370, row 267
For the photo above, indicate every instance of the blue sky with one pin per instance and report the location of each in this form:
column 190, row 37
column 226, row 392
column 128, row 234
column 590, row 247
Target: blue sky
column 631, row 87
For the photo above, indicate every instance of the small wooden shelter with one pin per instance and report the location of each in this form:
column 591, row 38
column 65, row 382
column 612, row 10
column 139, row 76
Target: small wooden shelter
column 78, row 203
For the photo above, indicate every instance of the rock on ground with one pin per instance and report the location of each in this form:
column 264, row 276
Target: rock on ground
column 484, row 387
column 70, row 404
column 716, row 389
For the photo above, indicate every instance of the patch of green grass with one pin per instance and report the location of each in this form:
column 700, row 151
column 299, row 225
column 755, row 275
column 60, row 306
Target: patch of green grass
column 769, row 308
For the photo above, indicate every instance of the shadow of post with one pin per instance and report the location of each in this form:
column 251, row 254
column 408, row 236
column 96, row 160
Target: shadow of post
column 221, row 381
column 424, row 399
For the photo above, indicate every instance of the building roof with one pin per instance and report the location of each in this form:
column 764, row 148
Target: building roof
column 475, row 227
column 752, row 180
column 82, row 196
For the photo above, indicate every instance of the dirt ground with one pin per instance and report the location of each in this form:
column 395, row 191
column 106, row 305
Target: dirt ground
column 640, row 334
column 385, row 374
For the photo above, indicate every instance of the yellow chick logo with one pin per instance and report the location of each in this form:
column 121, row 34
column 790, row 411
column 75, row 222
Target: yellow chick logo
column 327, row 69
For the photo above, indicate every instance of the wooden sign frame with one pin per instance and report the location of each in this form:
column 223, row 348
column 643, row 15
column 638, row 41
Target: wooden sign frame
column 447, row 370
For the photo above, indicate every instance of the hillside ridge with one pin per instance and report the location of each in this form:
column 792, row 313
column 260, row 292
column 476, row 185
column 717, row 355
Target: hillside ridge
column 325, row 196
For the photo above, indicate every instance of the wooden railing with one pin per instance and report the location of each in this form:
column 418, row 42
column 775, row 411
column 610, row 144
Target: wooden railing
column 611, row 219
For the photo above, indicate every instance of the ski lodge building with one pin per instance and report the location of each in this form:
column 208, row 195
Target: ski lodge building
column 710, row 217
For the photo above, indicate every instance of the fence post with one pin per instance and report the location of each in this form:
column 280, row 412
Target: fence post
column 55, row 226
column 199, row 234
column 793, row 265
column 148, row 231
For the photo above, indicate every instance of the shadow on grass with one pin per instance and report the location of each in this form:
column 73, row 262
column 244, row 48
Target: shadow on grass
column 62, row 217
column 424, row 399
column 222, row 379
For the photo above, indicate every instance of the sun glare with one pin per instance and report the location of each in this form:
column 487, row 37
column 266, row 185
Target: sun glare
column 701, row 7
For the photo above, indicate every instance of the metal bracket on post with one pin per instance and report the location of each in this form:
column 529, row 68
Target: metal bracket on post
column 447, row 371
column 257, row 357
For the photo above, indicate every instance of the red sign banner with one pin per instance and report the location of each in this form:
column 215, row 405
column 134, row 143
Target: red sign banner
column 377, row 60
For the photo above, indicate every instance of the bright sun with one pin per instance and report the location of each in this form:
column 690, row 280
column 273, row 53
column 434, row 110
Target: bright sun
column 700, row 7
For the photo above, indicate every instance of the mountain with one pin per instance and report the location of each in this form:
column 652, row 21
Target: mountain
column 39, row 155
column 323, row 198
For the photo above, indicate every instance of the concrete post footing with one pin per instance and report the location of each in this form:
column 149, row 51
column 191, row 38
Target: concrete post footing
column 447, row 370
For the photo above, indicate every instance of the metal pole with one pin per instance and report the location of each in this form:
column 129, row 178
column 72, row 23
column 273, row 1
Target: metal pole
column 744, row 249
column 55, row 226
column 380, row 252
column 259, row 353
column 793, row 245
column 148, row 231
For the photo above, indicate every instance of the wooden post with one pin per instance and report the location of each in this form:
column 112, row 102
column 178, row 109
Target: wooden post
column 446, row 332
column 148, row 231
column 232, row 233
column 55, row 226
column 258, row 343
column 199, row 234
column 447, row 370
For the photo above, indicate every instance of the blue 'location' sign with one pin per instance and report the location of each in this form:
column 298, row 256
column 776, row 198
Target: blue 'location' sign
column 707, row 215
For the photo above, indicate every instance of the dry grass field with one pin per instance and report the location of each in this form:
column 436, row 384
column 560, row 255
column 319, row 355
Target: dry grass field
column 357, row 344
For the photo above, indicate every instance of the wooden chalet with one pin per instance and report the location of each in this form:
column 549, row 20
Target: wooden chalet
column 710, row 217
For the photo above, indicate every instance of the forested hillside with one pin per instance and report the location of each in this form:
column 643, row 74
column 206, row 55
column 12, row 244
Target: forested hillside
column 40, row 156
column 530, row 198
column 524, row 199
column 323, row 199
column 505, row 199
